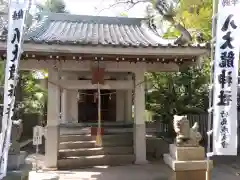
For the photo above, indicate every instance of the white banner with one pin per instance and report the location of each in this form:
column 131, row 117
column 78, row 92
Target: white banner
column 226, row 78
column 17, row 13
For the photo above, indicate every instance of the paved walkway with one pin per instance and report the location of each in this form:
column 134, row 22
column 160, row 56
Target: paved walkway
column 154, row 171
column 227, row 167
column 132, row 172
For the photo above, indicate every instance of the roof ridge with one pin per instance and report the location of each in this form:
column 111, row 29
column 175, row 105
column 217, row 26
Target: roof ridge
column 93, row 19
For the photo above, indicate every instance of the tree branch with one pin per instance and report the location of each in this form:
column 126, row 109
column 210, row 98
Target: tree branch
column 131, row 4
column 164, row 9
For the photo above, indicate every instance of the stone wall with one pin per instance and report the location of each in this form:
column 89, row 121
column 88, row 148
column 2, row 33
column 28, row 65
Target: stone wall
column 156, row 147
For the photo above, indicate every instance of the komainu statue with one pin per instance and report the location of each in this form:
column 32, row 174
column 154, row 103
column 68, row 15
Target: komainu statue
column 17, row 128
column 186, row 136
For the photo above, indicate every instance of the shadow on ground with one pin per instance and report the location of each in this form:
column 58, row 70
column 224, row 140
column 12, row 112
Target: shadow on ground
column 225, row 168
column 155, row 171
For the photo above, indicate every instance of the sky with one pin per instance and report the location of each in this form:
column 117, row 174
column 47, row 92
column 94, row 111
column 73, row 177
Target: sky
column 94, row 7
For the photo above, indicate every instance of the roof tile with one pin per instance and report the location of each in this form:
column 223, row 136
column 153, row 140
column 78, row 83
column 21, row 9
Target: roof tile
column 94, row 30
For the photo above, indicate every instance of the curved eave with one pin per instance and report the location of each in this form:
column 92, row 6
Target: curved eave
column 113, row 50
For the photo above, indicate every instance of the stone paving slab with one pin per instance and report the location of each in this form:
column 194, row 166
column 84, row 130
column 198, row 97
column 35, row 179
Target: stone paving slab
column 225, row 168
column 156, row 171
column 132, row 172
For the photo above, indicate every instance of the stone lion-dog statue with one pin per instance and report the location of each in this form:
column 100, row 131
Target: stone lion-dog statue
column 186, row 136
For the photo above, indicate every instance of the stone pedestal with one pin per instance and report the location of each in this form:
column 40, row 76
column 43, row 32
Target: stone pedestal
column 20, row 174
column 187, row 163
column 16, row 160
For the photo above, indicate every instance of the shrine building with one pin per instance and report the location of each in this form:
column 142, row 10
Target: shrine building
column 78, row 51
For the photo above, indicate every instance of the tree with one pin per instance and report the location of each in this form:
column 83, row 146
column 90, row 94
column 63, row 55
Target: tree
column 32, row 96
column 181, row 93
column 178, row 16
column 184, row 92
column 57, row 6
column 196, row 17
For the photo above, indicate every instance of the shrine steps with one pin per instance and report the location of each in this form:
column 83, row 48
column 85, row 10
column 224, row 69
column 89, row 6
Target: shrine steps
column 85, row 128
column 127, row 137
column 80, row 151
column 92, row 161
column 64, row 153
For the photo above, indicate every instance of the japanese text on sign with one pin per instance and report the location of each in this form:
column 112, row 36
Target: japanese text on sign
column 225, row 79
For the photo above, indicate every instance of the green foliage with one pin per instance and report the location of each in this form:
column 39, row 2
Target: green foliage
column 1, row 73
column 183, row 17
column 196, row 15
column 124, row 14
column 171, row 33
column 57, row 6
column 186, row 91
column 180, row 92
column 32, row 96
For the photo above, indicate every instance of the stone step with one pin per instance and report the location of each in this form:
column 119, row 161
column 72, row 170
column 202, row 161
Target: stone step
column 77, row 144
column 92, row 144
column 95, row 124
column 91, row 161
column 96, row 151
column 78, row 137
column 75, row 130
column 72, row 130
column 75, row 137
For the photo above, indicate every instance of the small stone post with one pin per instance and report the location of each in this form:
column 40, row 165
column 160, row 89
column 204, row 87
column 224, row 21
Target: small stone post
column 186, row 157
column 16, row 158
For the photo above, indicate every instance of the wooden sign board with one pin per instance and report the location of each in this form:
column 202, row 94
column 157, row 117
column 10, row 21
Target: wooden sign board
column 98, row 75
column 37, row 135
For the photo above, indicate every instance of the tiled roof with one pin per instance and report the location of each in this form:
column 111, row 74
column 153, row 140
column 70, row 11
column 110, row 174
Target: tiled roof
column 58, row 28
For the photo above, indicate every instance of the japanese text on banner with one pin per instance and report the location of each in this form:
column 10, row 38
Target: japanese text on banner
column 226, row 79
column 17, row 12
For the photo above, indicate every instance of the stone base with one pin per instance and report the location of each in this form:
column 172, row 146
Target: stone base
column 51, row 146
column 186, row 165
column 141, row 162
column 16, row 160
column 140, row 143
column 21, row 174
column 184, row 170
column 191, row 175
column 33, row 175
column 187, row 153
